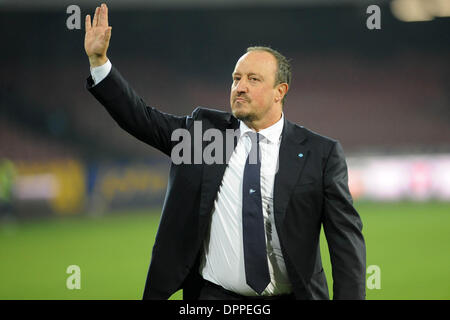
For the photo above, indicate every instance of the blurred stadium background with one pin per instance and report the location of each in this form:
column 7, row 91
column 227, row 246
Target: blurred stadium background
column 77, row 190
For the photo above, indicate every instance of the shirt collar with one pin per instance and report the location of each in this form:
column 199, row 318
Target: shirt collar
column 272, row 133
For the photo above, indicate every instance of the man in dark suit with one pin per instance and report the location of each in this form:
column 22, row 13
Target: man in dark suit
column 236, row 228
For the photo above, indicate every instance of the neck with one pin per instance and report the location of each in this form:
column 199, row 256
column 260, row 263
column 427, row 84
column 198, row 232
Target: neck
column 263, row 123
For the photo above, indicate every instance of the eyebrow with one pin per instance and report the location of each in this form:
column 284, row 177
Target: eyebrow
column 249, row 74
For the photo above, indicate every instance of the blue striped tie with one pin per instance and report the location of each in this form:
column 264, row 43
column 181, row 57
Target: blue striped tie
column 255, row 254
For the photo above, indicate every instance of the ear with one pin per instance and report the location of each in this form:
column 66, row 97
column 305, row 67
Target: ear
column 281, row 91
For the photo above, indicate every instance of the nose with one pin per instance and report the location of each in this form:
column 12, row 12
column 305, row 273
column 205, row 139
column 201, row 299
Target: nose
column 242, row 86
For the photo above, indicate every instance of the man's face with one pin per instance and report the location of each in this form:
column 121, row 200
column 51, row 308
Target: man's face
column 253, row 89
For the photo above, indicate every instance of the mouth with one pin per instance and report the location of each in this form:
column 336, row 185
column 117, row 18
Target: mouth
column 240, row 100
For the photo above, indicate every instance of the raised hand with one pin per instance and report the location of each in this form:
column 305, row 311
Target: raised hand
column 98, row 34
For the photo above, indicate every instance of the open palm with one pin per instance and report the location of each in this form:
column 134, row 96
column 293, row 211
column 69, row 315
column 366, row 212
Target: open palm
column 98, row 34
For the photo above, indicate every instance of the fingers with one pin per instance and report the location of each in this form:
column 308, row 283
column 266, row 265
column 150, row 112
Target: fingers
column 96, row 14
column 87, row 23
column 103, row 18
column 100, row 17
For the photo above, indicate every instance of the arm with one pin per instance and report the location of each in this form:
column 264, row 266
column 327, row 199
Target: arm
column 116, row 95
column 343, row 230
column 133, row 115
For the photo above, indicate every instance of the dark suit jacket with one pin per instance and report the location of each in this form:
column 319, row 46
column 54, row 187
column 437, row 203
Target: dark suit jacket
column 309, row 192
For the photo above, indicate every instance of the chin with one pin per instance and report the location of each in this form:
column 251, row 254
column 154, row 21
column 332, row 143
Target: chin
column 241, row 111
column 243, row 116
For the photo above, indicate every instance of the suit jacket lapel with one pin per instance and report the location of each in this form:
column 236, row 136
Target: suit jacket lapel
column 292, row 158
column 213, row 173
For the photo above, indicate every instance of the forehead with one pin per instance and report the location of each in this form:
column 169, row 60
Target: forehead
column 261, row 62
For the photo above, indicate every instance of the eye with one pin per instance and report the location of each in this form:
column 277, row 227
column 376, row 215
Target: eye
column 254, row 79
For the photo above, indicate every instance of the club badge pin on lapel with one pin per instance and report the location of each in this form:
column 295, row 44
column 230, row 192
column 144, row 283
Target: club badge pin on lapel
column 300, row 155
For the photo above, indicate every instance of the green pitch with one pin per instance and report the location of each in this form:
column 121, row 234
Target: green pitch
column 409, row 242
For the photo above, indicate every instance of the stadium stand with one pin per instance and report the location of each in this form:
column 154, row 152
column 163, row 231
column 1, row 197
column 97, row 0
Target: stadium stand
column 393, row 104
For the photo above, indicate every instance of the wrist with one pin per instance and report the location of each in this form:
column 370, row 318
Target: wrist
column 97, row 61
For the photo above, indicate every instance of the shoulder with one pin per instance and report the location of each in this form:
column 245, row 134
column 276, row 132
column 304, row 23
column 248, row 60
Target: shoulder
column 328, row 149
column 312, row 137
column 321, row 144
column 216, row 118
column 201, row 113
column 319, row 138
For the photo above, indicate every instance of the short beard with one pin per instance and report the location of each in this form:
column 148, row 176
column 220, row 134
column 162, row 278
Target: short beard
column 245, row 117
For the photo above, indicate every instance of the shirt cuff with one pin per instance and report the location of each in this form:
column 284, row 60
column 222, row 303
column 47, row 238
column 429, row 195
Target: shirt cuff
column 99, row 73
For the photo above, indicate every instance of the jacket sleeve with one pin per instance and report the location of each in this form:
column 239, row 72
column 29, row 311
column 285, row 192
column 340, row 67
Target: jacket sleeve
column 133, row 115
column 343, row 230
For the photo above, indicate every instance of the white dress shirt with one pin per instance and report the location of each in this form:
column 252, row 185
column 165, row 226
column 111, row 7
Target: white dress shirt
column 223, row 256
column 223, row 259
column 99, row 73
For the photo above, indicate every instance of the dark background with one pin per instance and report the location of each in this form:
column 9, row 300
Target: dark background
column 385, row 89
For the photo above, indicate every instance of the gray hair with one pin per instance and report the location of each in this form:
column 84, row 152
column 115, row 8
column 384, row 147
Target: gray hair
column 283, row 74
